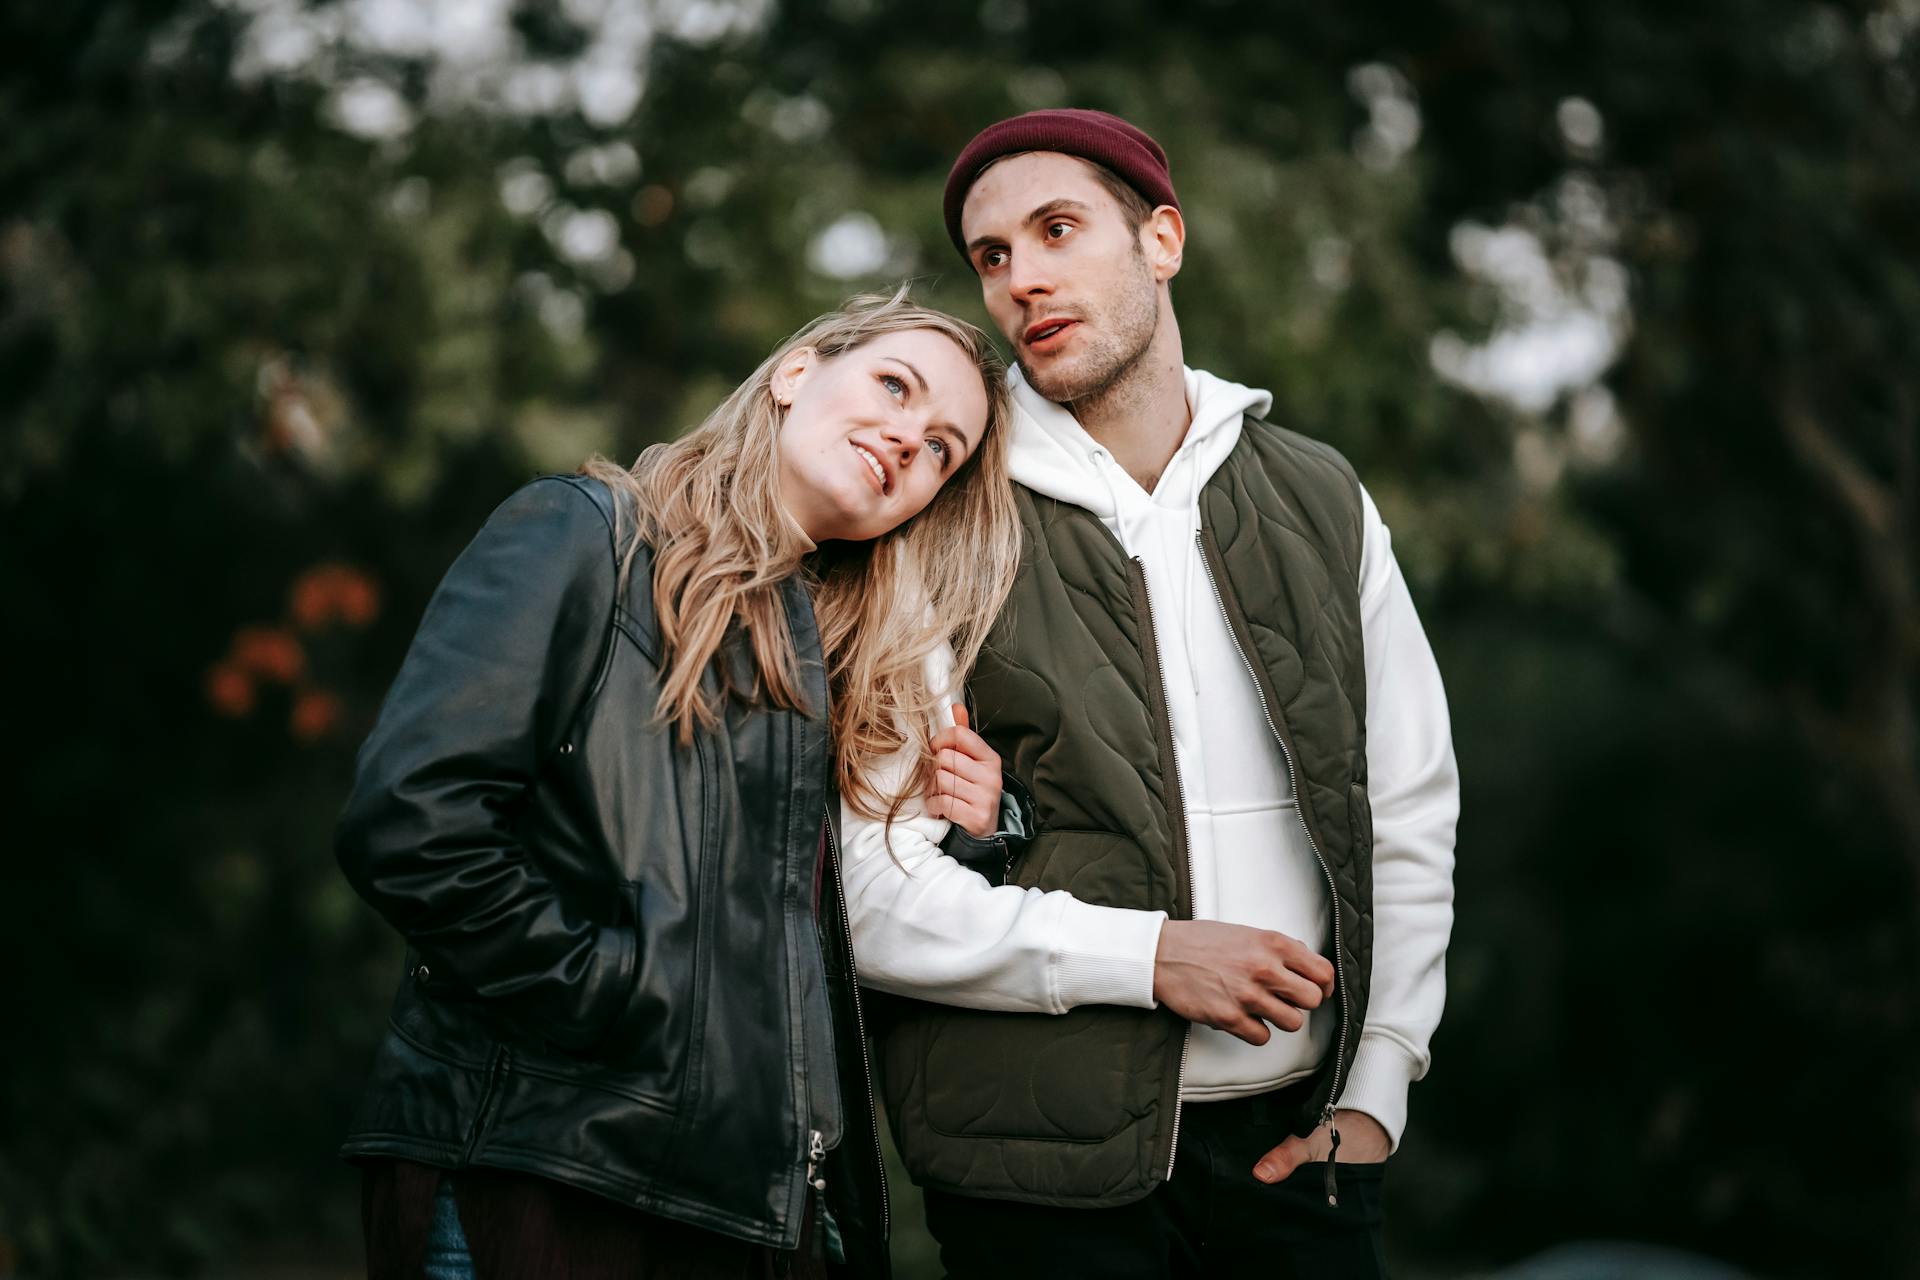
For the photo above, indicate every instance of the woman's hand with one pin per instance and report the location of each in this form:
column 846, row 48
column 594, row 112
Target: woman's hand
column 967, row 786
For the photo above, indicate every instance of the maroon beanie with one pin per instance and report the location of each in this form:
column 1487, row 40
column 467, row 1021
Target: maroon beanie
column 1092, row 135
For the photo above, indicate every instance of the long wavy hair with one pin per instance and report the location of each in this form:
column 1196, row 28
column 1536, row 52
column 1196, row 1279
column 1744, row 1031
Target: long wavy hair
column 708, row 504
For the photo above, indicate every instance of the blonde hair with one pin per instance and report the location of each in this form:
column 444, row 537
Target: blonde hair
column 708, row 504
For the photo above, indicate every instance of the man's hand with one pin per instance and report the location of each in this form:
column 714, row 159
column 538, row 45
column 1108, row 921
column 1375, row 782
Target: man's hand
column 1237, row 978
column 967, row 787
column 1362, row 1141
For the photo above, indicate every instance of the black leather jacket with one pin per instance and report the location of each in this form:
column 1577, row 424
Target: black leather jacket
column 614, row 977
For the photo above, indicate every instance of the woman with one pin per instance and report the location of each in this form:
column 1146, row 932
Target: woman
column 596, row 804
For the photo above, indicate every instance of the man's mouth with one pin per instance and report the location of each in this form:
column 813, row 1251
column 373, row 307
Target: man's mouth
column 1044, row 332
column 873, row 464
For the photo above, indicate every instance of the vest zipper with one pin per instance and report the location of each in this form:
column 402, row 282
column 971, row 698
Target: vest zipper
column 1333, row 892
column 494, row 1070
column 1165, row 726
column 860, row 1029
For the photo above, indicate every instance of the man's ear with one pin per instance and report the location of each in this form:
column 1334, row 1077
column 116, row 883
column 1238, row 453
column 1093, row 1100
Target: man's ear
column 1164, row 238
column 793, row 371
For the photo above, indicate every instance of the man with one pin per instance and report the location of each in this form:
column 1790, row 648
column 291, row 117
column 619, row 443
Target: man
column 1180, row 1040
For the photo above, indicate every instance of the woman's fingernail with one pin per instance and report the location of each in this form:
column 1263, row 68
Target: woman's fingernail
column 1265, row 1172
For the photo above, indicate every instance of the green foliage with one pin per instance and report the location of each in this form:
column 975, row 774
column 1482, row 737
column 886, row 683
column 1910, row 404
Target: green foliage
column 245, row 351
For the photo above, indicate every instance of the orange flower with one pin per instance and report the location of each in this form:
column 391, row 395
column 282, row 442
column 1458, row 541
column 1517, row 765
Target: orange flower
column 333, row 591
column 315, row 712
column 312, row 601
column 229, row 690
column 270, row 652
column 358, row 598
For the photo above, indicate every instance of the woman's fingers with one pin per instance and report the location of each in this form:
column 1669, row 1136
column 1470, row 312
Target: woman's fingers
column 974, row 770
column 968, row 743
column 966, row 803
column 966, row 777
column 968, row 791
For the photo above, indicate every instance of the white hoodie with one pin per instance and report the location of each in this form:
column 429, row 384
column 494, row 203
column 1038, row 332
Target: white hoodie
column 925, row 926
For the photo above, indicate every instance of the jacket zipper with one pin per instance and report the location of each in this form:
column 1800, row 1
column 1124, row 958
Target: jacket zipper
column 1333, row 893
column 495, row 1069
column 1186, row 833
column 816, row 1154
column 860, row 1029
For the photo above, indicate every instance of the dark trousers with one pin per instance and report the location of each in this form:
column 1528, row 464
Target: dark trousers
column 499, row 1225
column 1213, row 1218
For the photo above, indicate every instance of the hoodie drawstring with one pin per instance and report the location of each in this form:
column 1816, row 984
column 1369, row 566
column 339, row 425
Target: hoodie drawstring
column 1193, row 554
column 1106, row 467
column 1104, row 464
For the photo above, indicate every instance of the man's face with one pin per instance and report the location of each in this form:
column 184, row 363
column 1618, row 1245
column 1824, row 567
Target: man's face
column 1062, row 273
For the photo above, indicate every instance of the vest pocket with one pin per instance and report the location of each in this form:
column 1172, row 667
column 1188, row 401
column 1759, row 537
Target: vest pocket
column 1066, row 1078
column 1081, row 1076
column 1094, row 866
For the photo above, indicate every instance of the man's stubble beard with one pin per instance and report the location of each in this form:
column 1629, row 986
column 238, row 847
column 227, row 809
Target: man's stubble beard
column 1102, row 377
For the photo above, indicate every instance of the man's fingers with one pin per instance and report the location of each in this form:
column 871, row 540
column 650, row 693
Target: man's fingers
column 1279, row 1163
column 1252, row 1030
column 1268, row 1008
column 1306, row 962
column 1317, row 969
column 1292, row 988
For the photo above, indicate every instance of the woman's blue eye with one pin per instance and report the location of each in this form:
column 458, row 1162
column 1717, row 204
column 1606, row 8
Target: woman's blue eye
column 938, row 446
column 894, row 386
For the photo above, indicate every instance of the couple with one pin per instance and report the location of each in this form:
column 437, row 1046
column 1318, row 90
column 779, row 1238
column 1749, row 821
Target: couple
column 1151, row 958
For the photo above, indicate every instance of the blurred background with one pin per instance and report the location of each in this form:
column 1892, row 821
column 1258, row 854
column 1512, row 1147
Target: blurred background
column 1615, row 305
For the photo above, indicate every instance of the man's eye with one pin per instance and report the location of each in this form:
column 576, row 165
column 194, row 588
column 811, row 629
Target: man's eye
column 993, row 257
column 1057, row 229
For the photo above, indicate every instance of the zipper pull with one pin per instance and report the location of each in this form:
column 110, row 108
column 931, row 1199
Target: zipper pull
column 1333, row 1151
column 816, row 1152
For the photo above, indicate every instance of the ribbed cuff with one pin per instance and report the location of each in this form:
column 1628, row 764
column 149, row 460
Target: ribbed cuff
column 1382, row 1073
column 1105, row 956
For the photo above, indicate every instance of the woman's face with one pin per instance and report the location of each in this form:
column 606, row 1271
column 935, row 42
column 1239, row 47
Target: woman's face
column 872, row 434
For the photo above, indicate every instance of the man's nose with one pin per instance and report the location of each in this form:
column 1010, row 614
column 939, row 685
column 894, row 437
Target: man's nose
column 1027, row 276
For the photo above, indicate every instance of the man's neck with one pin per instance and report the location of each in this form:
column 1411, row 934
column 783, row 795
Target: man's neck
column 1143, row 415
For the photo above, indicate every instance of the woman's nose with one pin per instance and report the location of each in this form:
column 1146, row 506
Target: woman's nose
column 906, row 439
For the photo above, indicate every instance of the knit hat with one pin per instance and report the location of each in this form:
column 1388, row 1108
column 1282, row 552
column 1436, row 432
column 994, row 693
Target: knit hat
column 1092, row 135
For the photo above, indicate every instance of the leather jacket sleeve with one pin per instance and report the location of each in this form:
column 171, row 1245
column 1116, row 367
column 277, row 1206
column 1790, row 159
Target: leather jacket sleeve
column 507, row 651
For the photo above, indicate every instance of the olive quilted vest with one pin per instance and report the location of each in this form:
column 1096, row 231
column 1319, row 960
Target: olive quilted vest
column 1082, row 1108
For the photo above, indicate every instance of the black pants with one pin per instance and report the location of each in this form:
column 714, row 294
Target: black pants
column 1213, row 1218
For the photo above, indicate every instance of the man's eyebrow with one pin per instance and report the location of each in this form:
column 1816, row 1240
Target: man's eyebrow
column 1047, row 210
column 1052, row 207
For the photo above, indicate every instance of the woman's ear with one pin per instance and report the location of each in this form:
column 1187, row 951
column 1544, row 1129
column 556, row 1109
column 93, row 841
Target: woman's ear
column 792, row 372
